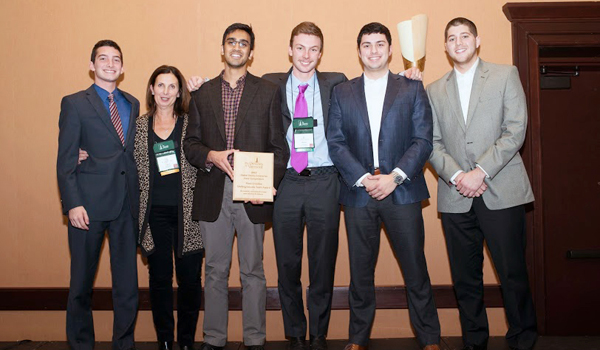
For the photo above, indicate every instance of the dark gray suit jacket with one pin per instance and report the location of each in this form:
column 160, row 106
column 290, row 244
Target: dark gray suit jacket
column 258, row 128
column 101, row 182
column 327, row 81
column 405, row 138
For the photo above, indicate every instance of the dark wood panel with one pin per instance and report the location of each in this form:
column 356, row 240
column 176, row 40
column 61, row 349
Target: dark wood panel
column 390, row 297
column 542, row 25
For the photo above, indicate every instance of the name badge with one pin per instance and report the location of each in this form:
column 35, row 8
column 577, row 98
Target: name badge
column 166, row 159
column 304, row 136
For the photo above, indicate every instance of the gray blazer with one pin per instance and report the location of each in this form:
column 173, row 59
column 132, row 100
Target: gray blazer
column 492, row 136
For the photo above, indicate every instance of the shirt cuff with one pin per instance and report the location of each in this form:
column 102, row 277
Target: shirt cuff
column 482, row 169
column 454, row 177
column 359, row 182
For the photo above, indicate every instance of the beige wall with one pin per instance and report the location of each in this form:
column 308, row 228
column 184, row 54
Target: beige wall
column 46, row 48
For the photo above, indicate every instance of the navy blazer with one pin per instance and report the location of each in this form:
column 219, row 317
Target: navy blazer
column 100, row 183
column 405, row 138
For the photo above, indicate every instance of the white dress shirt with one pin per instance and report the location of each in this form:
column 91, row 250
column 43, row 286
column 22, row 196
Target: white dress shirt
column 375, row 95
column 465, row 85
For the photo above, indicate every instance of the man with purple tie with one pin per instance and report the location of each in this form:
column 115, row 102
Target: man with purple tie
column 308, row 193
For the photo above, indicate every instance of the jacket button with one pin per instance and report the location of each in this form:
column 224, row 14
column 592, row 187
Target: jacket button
column 122, row 172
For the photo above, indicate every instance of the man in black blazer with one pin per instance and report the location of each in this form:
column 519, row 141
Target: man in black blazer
column 380, row 136
column 100, row 195
column 307, row 195
column 234, row 111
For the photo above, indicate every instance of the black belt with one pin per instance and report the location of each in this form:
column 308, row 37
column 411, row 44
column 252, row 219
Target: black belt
column 322, row 170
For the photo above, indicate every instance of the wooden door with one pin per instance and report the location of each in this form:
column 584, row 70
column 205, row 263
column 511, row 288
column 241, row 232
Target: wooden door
column 562, row 156
column 570, row 150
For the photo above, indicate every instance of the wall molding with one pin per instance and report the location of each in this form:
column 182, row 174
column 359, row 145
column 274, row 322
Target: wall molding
column 388, row 297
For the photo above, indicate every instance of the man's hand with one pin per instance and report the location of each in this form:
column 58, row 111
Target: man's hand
column 413, row 73
column 83, row 155
column 194, row 83
column 261, row 202
column 219, row 159
column 470, row 184
column 79, row 218
column 384, row 185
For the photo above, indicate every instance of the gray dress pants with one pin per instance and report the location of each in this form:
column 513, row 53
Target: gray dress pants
column 218, row 244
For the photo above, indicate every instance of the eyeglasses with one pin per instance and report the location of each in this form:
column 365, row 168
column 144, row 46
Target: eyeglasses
column 241, row 43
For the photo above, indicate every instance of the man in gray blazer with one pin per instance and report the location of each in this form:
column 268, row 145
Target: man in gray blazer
column 480, row 118
column 99, row 195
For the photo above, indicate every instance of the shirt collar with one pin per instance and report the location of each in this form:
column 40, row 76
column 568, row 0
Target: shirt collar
column 380, row 81
column 239, row 82
column 468, row 73
column 104, row 94
column 312, row 82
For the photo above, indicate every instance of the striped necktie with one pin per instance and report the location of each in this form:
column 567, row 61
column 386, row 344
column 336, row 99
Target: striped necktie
column 115, row 118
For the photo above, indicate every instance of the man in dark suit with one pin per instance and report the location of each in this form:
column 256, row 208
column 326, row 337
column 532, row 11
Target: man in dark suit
column 100, row 195
column 234, row 111
column 480, row 119
column 308, row 194
column 379, row 136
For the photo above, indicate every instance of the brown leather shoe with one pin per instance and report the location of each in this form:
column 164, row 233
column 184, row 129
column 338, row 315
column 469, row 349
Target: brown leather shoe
column 432, row 347
column 351, row 346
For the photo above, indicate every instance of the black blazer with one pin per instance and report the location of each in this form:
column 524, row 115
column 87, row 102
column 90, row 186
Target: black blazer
column 101, row 182
column 258, row 128
column 327, row 81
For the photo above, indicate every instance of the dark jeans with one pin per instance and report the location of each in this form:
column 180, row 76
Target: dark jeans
column 164, row 225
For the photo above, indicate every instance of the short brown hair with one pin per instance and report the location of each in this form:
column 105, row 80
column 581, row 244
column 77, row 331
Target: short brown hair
column 182, row 102
column 460, row 21
column 306, row 28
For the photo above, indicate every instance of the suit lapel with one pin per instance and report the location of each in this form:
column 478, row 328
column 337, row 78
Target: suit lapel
column 454, row 99
column 132, row 115
column 392, row 89
column 325, row 90
column 481, row 75
column 250, row 89
column 358, row 90
column 285, row 109
column 98, row 105
column 216, row 100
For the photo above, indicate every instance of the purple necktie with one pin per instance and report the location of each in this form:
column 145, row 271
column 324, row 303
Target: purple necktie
column 299, row 160
column 115, row 118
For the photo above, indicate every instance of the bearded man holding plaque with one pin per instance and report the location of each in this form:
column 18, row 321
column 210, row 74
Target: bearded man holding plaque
column 234, row 111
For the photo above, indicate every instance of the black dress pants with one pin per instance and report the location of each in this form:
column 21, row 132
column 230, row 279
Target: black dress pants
column 164, row 225
column 312, row 201
column 504, row 232
column 404, row 225
column 85, row 249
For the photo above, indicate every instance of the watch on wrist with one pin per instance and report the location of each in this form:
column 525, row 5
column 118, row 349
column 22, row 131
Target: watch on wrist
column 398, row 179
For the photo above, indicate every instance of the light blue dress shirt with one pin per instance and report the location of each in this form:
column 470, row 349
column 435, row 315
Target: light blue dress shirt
column 123, row 106
column 320, row 156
